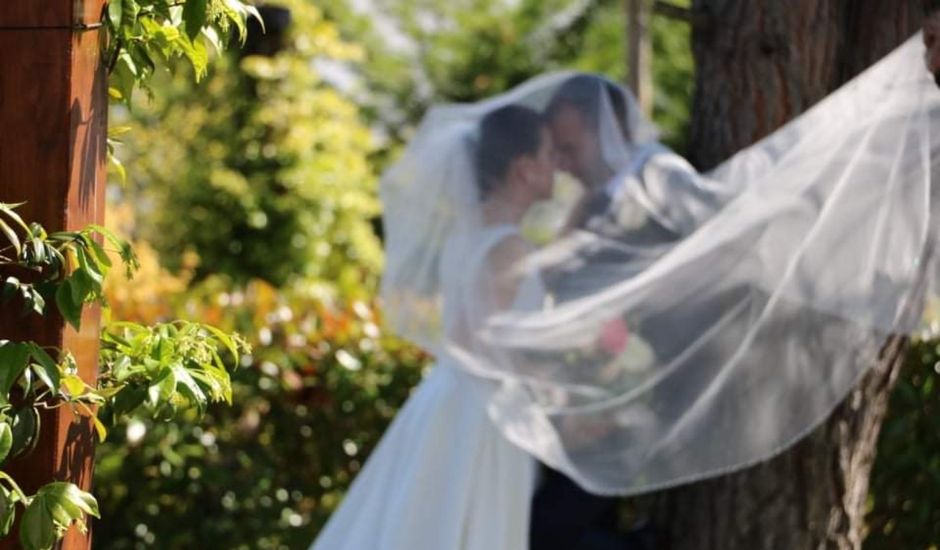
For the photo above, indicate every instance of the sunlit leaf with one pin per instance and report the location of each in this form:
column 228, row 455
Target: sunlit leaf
column 6, row 443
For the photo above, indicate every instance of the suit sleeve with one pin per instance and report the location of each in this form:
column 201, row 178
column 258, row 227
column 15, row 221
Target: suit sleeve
column 675, row 194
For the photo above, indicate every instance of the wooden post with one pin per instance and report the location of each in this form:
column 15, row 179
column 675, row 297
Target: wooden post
column 53, row 111
column 639, row 53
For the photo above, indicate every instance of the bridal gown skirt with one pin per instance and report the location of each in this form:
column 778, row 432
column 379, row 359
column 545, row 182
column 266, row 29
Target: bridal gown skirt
column 441, row 478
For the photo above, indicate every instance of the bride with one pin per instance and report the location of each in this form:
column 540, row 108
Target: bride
column 691, row 325
column 443, row 476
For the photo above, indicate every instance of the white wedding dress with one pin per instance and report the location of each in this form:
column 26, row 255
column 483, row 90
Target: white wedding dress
column 443, row 477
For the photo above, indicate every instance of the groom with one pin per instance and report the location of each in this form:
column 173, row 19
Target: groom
column 564, row 516
column 638, row 195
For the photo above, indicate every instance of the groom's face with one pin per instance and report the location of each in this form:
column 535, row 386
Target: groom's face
column 577, row 146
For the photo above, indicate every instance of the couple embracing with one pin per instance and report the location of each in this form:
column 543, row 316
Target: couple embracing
column 678, row 325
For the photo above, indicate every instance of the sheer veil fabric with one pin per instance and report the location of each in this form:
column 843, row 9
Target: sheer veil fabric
column 683, row 325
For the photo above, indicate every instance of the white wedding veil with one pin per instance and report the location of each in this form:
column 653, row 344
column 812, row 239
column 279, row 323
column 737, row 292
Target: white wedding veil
column 684, row 325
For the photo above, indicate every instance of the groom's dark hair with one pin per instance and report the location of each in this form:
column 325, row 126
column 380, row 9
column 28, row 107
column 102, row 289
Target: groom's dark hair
column 506, row 134
column 584, row 92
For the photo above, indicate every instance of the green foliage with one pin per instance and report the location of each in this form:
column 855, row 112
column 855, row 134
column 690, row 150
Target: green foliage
column 67, row 267
column 265, row 151
column 9, row 216
column 309, row 404
column 143, row 33
column 463, row 51
column 51, row 511
column 175, row 367
column 166, row 369
column 904, row 497
column 269, row 164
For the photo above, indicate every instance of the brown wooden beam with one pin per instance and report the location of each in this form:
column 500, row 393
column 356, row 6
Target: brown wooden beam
column 53, row 110
column 639, row 53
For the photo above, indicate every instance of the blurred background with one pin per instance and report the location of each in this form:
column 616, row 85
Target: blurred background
column 252, row 202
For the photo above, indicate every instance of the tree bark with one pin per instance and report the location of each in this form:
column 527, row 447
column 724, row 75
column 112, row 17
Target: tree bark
column 759, row 64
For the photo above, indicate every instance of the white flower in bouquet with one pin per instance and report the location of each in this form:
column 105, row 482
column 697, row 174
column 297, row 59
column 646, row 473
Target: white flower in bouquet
column 632, row 354
column 545, row 219
column 638, row 356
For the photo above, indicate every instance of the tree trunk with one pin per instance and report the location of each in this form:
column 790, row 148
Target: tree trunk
column 759, row 64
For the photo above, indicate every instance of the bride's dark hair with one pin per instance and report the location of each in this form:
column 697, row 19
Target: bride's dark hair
column 506, row 134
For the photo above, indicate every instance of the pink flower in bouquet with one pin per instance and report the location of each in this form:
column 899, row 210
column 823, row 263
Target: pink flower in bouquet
column 614, row 336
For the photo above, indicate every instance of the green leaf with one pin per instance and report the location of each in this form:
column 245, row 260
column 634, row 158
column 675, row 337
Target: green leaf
column 253, row 11
column 10, row 286
column 115, row 131
column 167, row 385
column 49, row 376
column 8, row 501
column 131, row 10
column 71, row 311
column 126, row 251
column 225, row 340
column 100, row 253
column 33, row 301
column 119, row 168
column 14, row 359
column 115, row 12
column 212, row 36
column 99, row 426
column 6, row 443
column 195, row 13
column 39, row 250
column 90, row 268
column 121, row 369
column 8, row 210
column 162, row 387
column 11, row 236
column 189, row 388
column 235, row 11
column 81, row 286
column 26, row 427
column 108, row 234
column 53, row 509
column 128, row 400
column 74, row 384
column 197, row 55
column 37, row 531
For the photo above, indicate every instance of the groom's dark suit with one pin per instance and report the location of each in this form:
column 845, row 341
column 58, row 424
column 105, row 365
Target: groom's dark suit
column 564, row 516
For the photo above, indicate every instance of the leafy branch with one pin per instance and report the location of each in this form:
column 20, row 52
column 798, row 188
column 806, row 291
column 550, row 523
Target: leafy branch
column 146, row 33
column 67, row 267
column 162, row 370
